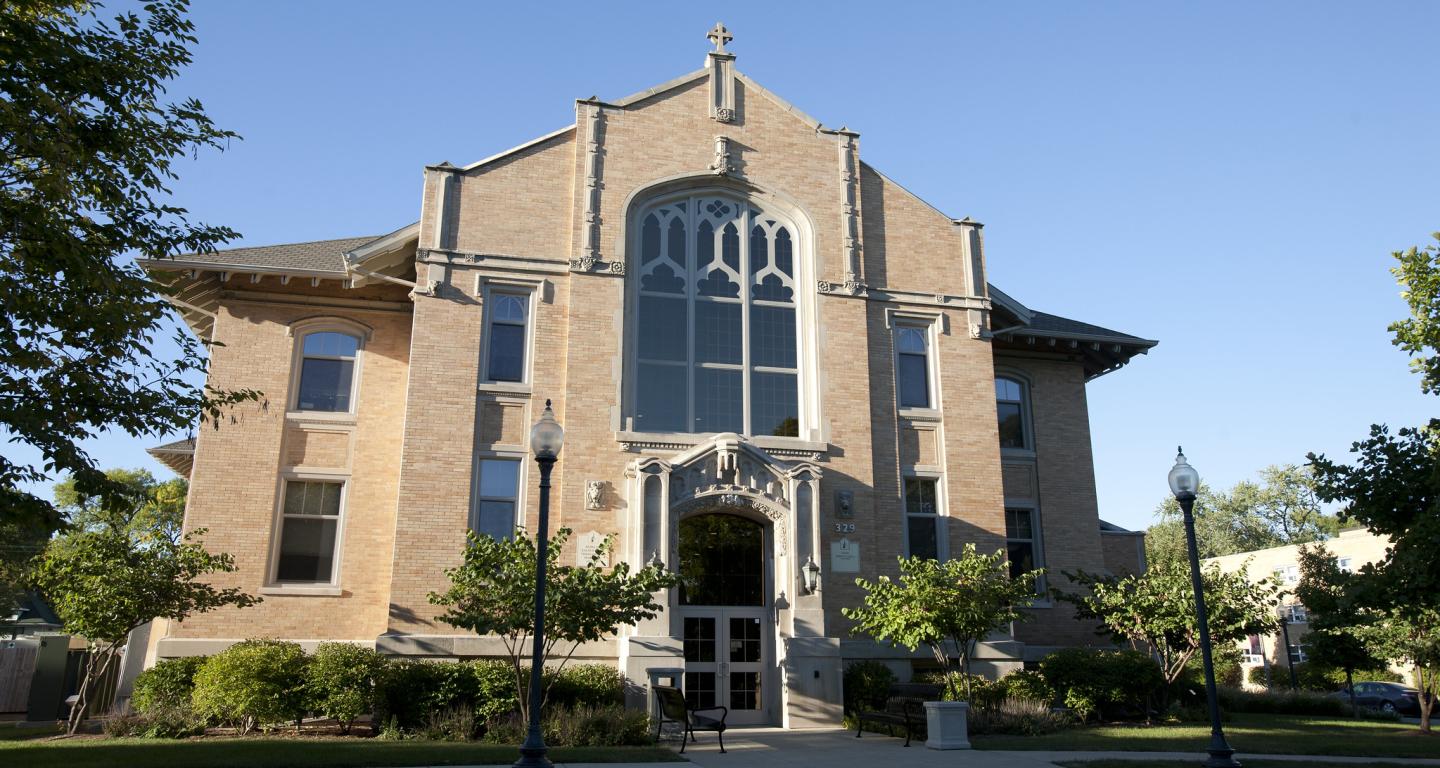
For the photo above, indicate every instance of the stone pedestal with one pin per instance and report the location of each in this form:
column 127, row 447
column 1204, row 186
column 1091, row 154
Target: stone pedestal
column 947, row 724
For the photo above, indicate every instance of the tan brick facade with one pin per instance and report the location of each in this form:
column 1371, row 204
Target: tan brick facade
column 555, row 221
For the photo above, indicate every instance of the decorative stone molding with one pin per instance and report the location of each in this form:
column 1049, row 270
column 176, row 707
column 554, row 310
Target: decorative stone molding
column 850, row 211
column 594, row 494
column 851, row 287
column 722, row 76
column 589, row 259
column 721, row 165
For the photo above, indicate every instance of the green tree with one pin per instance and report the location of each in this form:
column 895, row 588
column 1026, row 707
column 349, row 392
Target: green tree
column 1408, row 636
column 147, row 505
column 956, row 602
column 1155, row 611
column 1418, row 272
column 493, row 592
column 105, row 583
column 1337, row 636
column 89, row 144
column 1284, row 507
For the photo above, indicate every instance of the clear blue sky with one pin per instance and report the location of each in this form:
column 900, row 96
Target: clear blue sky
column 1228, row 178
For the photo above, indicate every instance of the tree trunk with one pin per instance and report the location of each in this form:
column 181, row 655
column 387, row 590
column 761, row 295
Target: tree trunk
column 1350, row 686
column 1427, row 703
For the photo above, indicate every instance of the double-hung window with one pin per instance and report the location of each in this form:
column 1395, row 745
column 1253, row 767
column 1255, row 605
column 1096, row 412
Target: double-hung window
column 922, row 518
column 327, row 372
column 309, row 532
column 912, row 366
column 1298, row 614
column 497, row 491
column 1022, row 545
column 507, row 317
column 1010, row 408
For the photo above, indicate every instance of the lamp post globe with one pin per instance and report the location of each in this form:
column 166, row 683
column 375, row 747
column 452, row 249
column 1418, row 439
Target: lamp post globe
column 546, row 439
column 1185, row 483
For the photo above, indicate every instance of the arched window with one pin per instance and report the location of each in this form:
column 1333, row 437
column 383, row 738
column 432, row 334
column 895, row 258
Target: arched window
column 1010, row 408
column 715, row 319
column 327, row 371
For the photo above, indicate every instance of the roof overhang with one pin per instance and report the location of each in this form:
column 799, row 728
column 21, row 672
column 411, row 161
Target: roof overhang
column 389, row 258
column 179, row 456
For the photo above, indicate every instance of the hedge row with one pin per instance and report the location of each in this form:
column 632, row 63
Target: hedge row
column 261, row 683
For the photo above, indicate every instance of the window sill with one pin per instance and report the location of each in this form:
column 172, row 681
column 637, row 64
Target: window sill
column 1017, row 453
column 508, row 387
column 1042, row 603
column 919, row 414
column 683, row 440
column 326, row 417
column 297, row 590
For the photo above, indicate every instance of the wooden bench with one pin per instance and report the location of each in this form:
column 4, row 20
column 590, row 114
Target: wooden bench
column 904, row 706
column 674, row 709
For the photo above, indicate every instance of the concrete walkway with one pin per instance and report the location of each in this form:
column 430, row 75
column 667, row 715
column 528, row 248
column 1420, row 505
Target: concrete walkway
column 777, row 748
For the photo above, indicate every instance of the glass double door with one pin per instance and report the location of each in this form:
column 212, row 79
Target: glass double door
column 725, row 661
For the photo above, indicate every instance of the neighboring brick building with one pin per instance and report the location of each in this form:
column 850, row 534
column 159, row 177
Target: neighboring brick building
column 748, row 334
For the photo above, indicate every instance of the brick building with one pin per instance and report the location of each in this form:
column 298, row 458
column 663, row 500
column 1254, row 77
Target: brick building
column 752, row 338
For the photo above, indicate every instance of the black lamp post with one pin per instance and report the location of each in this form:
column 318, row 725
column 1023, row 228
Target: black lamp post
column 1285, row 638
column 1184, row 481
column 546, row 438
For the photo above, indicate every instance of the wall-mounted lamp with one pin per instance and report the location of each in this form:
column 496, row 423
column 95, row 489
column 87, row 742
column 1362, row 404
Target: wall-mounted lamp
column 811, row 573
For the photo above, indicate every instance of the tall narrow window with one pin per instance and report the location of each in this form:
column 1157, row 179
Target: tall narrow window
column 309, row 531
column 912, row 367
column 1010, row 407
column 1020, row 543
column 715, row 324
column 327, row 371
column 497, row 489
column 505, row 340
column 922, row 518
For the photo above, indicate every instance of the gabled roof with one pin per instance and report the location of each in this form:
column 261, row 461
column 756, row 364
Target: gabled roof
column 308, row 257
column 1018, row 327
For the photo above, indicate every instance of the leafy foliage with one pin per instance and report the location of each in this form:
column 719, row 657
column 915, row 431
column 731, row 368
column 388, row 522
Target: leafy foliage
column 1284, row 507
column 90, row 145
column 493, row 592
column 144, row 506
column 1337, row 637
column 167, row 685
column 1102, row 682
column 340, row 681
column 1418, row 272
column 252, row 683
column 867, row 684
column 958, row 601
column 1156, row 609
column 106, row 582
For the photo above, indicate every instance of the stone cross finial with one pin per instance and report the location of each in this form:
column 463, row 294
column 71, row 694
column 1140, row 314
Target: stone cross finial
column 719, row 36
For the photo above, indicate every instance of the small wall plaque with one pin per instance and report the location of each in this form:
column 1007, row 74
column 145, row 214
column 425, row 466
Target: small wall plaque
column 586, row 546
column 844, row 504
column 844, row 556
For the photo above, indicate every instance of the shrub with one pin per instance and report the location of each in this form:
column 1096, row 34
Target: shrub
column 1317, row 677
column 1108, row 683
column 156, row 723
column 252, row 683
column 1260, row 676
column 1282, row 703
column 982, row 689
column 340, row 681
column 167, row 685
column 494, row 688
column 455, row 723
column 585, row 685
column 1015, row 716
column 1028, row 685
column 408, row 691
column 608, row 726
column 867, row 684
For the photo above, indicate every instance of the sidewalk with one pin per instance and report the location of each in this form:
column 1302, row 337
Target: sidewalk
column 778, row 748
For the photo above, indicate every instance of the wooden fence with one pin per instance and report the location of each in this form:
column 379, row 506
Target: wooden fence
column 17, row 667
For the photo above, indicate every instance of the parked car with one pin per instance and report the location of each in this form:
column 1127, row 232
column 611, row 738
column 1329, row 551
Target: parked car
column 1386, row 697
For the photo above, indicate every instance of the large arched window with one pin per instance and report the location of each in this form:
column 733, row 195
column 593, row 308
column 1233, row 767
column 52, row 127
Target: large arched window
column 715, row 318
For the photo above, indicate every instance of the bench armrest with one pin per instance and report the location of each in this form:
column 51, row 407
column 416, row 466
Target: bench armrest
column 724, row 711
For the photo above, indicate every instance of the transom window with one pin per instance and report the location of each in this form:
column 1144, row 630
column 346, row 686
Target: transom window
column 327, row 371
column 715, row 338
column 505, row 339
column 912, row 367
column 1010, row 408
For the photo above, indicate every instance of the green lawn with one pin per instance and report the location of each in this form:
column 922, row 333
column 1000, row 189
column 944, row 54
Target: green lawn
column 1193, row 763
column 1272, row 734
column 36, row 749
